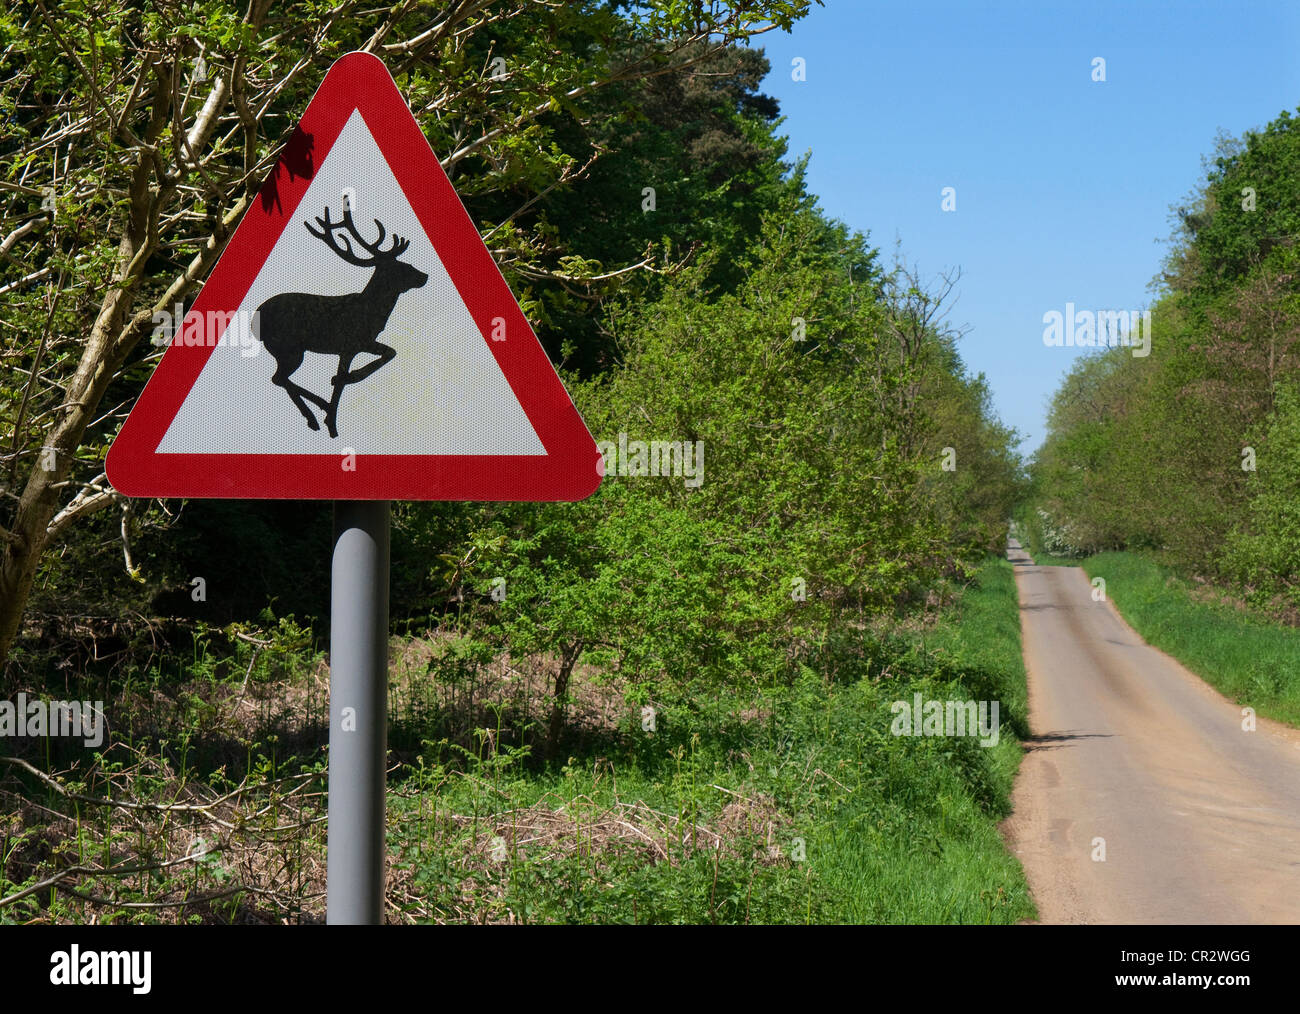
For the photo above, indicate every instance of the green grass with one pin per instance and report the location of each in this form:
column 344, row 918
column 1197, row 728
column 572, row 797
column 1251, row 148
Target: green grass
column 850, row 824
column 822, row 813
column 1248, row 658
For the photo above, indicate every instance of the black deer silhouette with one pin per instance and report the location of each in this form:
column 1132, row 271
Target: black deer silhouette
column 295, row 323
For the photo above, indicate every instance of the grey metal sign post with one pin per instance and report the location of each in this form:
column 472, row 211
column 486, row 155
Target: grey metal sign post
column 358, row 712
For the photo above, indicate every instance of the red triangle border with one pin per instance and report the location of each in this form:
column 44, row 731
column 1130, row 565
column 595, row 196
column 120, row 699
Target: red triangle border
column 568, row 470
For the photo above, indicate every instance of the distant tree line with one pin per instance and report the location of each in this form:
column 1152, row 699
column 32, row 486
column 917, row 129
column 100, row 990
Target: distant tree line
column 1194, row 451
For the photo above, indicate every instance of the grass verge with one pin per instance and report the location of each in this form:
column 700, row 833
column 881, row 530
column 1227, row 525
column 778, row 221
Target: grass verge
column 799, row 806
column 781, row 804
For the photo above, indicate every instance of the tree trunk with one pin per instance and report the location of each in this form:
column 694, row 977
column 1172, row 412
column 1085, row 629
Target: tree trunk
column 567, row 661
column 112, row 337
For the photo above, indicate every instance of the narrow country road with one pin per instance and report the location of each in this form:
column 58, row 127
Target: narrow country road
column 1200, row 819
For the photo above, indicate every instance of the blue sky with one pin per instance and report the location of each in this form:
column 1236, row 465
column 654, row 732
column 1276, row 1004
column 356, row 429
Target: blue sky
column 1063, row 184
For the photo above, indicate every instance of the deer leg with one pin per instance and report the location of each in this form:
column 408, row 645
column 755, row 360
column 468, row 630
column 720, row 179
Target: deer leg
column 339, row 382
column 385, row 354
column 314, row 398
column 285, row 367
column 346, row 375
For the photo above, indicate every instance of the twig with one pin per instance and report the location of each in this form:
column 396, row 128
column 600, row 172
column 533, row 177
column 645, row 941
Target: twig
column 111, row 871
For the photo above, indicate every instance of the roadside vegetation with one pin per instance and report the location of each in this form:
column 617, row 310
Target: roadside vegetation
column 793, row 803
column 1192, row 454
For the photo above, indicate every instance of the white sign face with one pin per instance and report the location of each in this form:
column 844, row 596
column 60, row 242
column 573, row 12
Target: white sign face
column 439, row 392
column 356, row 340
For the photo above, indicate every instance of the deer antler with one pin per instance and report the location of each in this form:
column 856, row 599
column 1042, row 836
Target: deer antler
column 328, row 233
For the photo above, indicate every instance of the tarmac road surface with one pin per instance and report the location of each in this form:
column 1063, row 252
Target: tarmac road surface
column 1200, row 819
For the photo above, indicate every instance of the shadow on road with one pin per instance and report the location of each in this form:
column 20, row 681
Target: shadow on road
column 1056, row 740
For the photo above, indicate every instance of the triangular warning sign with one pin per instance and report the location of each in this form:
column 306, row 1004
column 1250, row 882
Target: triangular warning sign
column 355, row 340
